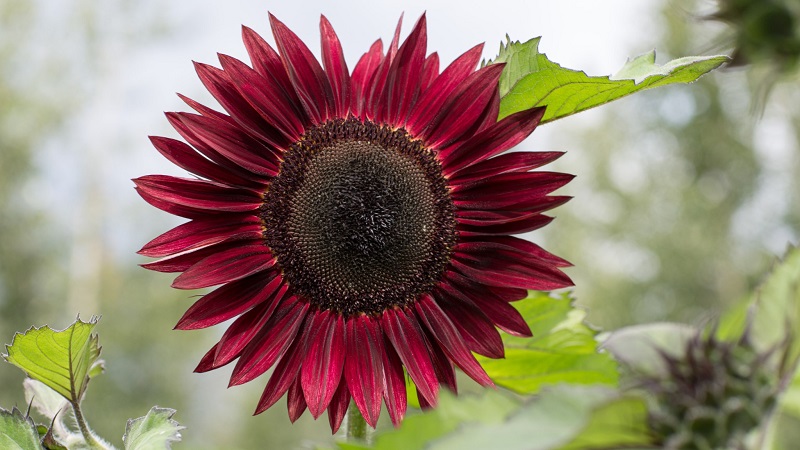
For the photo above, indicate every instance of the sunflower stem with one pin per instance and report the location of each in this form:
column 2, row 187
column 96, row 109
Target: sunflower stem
column 91, row 441
column 357, row 429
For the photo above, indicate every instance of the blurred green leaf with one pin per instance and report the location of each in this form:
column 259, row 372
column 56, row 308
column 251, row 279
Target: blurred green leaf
column 639, row 346
column 155, row 431
column 62, row 360
column 563, row 349
column 451, row 413
column 58, row 412
column 776, row 307
column 564, row 417
column 17, row 432
column 530, row 80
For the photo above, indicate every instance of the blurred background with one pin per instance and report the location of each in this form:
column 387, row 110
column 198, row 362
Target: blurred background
column 683, row 198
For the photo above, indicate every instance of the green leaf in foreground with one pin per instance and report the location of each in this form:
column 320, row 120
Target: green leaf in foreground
column 564, row 417
column 17, row 432
column 62, row 360
column 530, row 80
column 563, row 349
column 155, row 431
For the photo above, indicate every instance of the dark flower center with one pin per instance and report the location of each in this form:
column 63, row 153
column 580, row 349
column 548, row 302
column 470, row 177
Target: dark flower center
column 359, row 218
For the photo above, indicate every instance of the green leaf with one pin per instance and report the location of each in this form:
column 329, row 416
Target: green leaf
column 58, row 412
column 418, row 430
column 17, row 432
column 563, row 349
column 530, row 80
column 638, row 346
column 776, row 307
column 155, row 431
column 62, row 360
column 564, row 417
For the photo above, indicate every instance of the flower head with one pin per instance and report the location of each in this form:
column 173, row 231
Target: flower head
column 357, row 223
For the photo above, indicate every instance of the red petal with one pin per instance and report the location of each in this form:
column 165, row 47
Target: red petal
column 271, row 342
column 480, row 218
column 295, row 401
column 514, row 275
column 443, row 330
column 202, row 233
column 362, row 76
column 492, row 141
column 287, row 369
column 209, row 152
column 205, row 110
column 226, row 266
column 429, row 72
column 338, row 407
column 221, row 85
column 322, row 368
column 395, row 384
column 410, row 343
column 509, row 189
column 182, row 261
column 228, row 301
column 267, row 62
column 507, row 163
column 432, row 100
column 521, row 248
column 234, row 144
column 187, row 158
column 378, row 82
column 478, row 331
column 464, row 109
column 403, row 78
column 335, row 67
column 363, row 368
column 198, row 194
column 266, row 98
column 178, row 210
column 523, row 225
column 503, row 315
column 307, row 76
column 241, row 332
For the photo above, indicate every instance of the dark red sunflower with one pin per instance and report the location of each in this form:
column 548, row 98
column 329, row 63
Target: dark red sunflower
column 358, row 223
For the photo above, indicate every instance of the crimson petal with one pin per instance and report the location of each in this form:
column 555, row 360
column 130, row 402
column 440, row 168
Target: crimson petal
column 295, row 402
column 234, row 144
column 429, row 72
column 492, row 141
column 394, row 383
column 201, row 233
column 464, row 108
column 187, row 158
column 268, row 63
column 242, row 331
column 362, row 76
column 434, row 97
column 322, row 368
column 287, row 369
column 338, row 407
column 199, row 194
column 478, row 331
column 410, row 343
column 228, row 301
column 443, row 330
column 182, row 261
column 509, row 162
column 221, row 84
column 402, row 81
column 229, row 265
column 363, row 367
column 271, row 342
column 307, row 76
column 335, row 67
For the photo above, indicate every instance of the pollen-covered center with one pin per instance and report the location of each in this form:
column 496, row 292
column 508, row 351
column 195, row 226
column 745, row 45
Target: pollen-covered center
column 359, row 218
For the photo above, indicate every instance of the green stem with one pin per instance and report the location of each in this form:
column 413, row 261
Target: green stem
column 357, row 429
column 87, row 434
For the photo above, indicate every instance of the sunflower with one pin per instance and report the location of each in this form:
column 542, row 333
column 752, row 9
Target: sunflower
column 359, row 224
